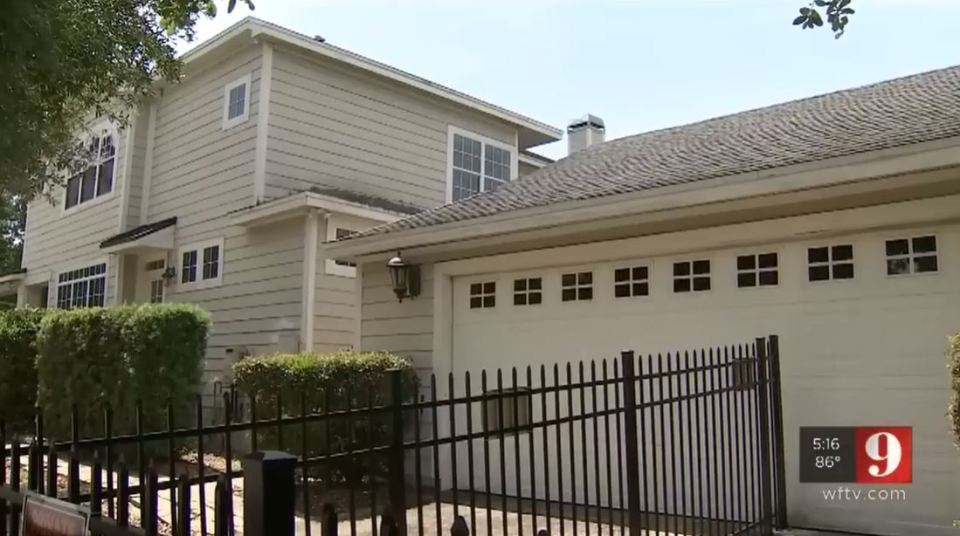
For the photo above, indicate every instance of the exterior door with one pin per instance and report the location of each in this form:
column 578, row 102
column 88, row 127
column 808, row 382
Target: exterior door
column 150, row 283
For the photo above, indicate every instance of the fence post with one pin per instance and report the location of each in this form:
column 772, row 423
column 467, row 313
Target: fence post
column 268, row 494
column 631, row 450
column 763, row 416
column 777, row 410
column 396, row 477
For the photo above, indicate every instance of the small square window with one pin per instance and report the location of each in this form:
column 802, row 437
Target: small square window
column 514, row 404
column 483, row 295
column 576, row 286
column 691, row 276
column 236, row 102
column 757, row 270
column 630, row 282
column 527, row 291
column 826, row 263
column 912, row 256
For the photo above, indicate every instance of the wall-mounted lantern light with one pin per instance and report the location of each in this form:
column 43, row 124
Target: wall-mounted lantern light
column 404, row 277
column 168, row 275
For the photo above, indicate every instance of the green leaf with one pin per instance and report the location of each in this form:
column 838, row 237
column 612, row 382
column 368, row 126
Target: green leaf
column 799, row 20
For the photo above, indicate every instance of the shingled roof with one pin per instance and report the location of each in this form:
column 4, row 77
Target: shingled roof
column 904, row 111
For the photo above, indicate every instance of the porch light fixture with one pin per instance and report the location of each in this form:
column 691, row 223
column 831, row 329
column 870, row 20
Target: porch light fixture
column 168, row 275
column 405, row 278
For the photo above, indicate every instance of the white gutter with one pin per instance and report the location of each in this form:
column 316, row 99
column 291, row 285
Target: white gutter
column 883, row 163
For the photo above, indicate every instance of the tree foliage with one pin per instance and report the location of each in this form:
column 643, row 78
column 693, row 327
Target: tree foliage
column 837, row 12
column 63, row 60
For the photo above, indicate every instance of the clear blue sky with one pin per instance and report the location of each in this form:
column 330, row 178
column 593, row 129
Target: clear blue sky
column 638, row 64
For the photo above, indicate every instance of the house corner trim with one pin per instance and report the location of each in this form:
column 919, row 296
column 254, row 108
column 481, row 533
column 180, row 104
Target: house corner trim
column 148, row 163
column 311, row 236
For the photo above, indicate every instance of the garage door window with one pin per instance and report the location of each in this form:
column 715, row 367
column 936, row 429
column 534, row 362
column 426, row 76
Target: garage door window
column 757, row 270
column 483, row 295
column 515, row 405
column 577, row 286
column 827, row 263
column 912, row 255
column 691, row 276
column 528, row 291
column 629, row 282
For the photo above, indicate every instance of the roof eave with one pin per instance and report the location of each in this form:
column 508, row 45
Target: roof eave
column 301, row 203
column 533, row 132
column 882, row 163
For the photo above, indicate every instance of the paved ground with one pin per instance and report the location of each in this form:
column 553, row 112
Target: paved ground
column 422, row 522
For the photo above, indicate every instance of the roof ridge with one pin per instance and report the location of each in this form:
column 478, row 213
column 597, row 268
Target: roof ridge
column 788, row 103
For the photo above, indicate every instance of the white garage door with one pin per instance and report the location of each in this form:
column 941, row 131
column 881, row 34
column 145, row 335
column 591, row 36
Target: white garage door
column 855, row 352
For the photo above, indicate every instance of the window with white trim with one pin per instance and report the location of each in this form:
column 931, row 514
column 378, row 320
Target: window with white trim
column 760, row 270
column 577, row 286
column 236, row 102
column 333, row 266
column 914, row 255
column 528, row 291
column 201, row 265
column 826, row 263
column 691, row 276
column 83, row 287
column 156, row 291
column 478, row 165
column 95, row 179
column 514, row 403
column 630, row 282
column 483, row 295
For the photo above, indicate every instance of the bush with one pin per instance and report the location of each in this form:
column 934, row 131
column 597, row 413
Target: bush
column 118, row 356
column 326, row 382
column 953, row 363
column 18, row 372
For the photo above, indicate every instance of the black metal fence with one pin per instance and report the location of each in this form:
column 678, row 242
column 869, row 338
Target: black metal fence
column 685, row 442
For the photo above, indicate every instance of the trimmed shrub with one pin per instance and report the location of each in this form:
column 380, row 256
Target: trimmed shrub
column 953, row 363
column 18, row 372
column 326, row 382
column 118, row 356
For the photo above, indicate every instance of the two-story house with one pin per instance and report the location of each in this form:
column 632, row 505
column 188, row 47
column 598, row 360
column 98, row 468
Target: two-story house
column 224, row 187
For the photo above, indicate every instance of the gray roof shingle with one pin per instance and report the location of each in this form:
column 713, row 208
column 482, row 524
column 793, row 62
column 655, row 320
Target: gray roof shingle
column 913, row 109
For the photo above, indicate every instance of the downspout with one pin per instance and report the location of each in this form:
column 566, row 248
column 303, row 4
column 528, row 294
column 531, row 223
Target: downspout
column 311, row 235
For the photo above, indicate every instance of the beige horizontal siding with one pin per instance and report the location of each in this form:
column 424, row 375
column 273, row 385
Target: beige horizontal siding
column 333, row 126
column 405, row 329
column 56, row 240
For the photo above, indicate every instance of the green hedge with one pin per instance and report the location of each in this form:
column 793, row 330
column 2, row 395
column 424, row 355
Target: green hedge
column 326, row 382
column 117, row 356
column 18, row 372
column 953, row 363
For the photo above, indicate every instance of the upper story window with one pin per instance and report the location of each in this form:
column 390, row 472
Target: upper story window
column 201, row 265
column 915, row 255
column 96, row 178
column 236, row 102
column 830, row 262
column 83, row 287
column 477, row 164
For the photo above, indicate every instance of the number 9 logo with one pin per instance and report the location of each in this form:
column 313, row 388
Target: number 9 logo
column 883, row 455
